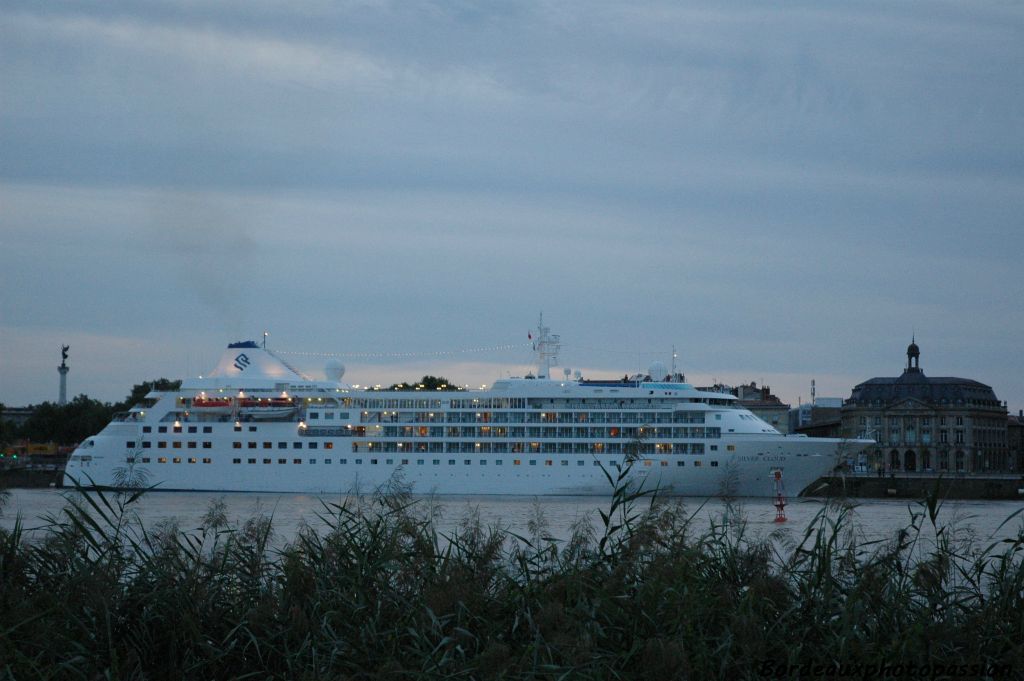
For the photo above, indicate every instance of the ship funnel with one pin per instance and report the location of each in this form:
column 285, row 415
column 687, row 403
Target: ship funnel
column 248, row 360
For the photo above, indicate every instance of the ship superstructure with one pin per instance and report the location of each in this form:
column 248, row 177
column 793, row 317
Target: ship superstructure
column 256, row 424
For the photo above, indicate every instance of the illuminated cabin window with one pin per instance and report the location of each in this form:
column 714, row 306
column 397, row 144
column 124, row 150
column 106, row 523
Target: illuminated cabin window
column 176, row 445
column 268, row 445
column 697, row 463
column 176, row 459
column 236, row 445
column 192, row 459
column 162, row 459
column 328, row 445
column 207, row 445
column 207, row 460
column 731, row 448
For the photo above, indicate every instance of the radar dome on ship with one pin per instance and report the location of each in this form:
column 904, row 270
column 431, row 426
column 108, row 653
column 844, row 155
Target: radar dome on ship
column 657, row 371
column 334, row 370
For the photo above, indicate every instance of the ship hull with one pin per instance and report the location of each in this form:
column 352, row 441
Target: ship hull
column 748, row 470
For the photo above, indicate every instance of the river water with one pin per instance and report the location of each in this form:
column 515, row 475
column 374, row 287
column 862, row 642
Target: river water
column 979, row 522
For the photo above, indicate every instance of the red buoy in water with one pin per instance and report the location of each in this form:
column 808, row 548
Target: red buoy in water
column 780, row 498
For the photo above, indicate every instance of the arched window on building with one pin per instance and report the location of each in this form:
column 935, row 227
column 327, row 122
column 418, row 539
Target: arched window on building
column 894, row 460
column 959, row 460
column 909, row 460
column 926, row 460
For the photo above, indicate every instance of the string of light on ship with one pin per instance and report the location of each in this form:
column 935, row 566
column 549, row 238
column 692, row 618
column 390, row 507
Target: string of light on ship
column 434, row 353
column 463, row 351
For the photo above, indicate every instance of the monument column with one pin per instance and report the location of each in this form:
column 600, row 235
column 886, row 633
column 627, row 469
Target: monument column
column 63, row 370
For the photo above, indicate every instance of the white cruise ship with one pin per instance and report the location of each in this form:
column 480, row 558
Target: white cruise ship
column 255, row 424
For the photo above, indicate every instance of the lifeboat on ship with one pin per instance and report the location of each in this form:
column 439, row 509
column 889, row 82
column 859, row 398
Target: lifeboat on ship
column 212, row 405
column 266, row 407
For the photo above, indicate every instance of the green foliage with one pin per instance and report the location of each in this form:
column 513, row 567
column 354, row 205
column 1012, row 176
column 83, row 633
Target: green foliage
column 66, row 424
column 426, row 383
column 8, row 431
column 380, row 594
column 78, row 419
column 140, row 390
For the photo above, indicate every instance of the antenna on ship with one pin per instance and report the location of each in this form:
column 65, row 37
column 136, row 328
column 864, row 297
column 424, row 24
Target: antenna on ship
column 547, row 346
column 265, row 334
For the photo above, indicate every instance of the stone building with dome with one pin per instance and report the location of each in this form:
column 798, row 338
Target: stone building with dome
column 929, row 424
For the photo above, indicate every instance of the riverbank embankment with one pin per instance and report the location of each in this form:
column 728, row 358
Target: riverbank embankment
column 858, row 486
column 917, row 486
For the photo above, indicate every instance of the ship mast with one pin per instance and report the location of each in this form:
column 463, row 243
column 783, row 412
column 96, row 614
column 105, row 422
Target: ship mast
column 547, row 347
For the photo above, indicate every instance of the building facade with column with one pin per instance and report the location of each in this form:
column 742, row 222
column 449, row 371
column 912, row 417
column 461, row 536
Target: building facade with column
column 929, row 424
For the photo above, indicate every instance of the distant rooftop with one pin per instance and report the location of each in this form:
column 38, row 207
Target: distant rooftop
column 913, row 383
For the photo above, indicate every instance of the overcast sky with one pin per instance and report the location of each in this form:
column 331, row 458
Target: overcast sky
column 783, row 191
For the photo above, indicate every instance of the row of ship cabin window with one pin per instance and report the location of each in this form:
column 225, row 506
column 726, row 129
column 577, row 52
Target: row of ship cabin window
column 405, row 462
column 191, row 444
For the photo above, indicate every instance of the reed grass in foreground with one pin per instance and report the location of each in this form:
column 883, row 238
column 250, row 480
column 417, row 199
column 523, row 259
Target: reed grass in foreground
column 379, row 594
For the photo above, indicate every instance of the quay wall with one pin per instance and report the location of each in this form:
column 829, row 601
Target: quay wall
column 31, row 477
column 869, row 487
column 917, row 487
